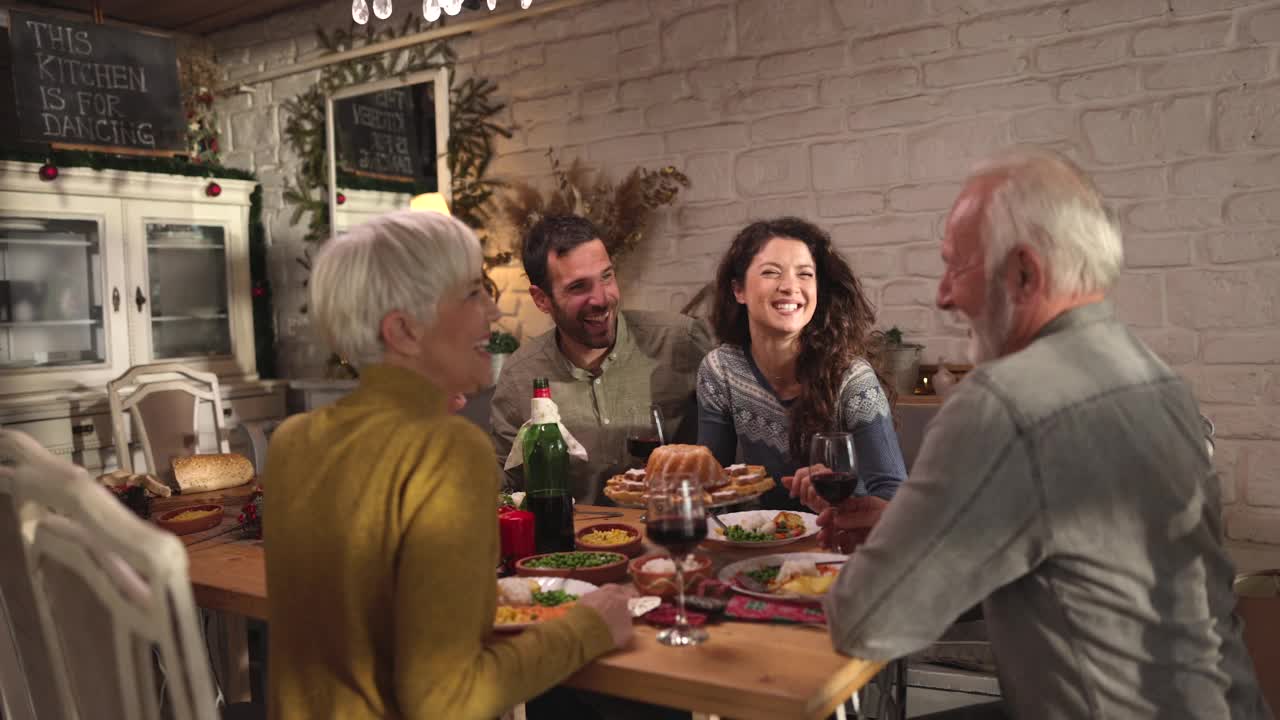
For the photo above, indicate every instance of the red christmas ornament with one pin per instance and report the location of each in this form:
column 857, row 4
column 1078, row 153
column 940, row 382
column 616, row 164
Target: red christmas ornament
column 213, row 189
column 342, row 199
column 48, row 172
column 259, row 291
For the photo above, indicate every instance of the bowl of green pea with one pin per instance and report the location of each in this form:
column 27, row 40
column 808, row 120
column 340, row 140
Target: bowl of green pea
column 592, row 567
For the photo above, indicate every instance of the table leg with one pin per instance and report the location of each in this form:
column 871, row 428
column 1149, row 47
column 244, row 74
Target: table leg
column 228, row 640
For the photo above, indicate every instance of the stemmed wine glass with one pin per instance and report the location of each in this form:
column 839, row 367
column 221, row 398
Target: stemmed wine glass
column 644, row 439
column 676, row 519
column 833, row 471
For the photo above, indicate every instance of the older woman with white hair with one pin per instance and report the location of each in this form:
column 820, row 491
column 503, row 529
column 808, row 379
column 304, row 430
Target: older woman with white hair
column 381, row 537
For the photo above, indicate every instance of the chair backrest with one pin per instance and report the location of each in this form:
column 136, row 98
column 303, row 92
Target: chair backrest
column 111, row 594
column 163, row 400
column 27, row 688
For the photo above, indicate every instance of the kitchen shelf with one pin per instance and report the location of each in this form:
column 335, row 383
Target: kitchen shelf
column 49, row 323
column 185, row 246
column 188, row 318
column 49, row 241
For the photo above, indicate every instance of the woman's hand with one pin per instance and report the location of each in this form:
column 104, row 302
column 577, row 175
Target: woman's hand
column 802, row 488
column 457, row 402
column 611, row 602
column 851, row 521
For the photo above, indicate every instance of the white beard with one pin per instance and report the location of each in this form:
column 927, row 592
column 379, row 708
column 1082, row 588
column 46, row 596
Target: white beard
column 988, row 333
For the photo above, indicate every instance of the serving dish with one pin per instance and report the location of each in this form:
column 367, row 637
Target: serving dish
column 612, row 569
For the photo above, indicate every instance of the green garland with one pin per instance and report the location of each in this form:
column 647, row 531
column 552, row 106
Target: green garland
column 471, row 127
column 263, row 330
column 130, row 163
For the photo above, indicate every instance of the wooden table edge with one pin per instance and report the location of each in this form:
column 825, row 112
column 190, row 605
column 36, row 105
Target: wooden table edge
column 645, row 686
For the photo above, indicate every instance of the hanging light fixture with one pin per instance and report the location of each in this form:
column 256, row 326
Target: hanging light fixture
column 431, row 9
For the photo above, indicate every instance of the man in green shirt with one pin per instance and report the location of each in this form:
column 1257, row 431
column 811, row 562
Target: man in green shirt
column 607, row 366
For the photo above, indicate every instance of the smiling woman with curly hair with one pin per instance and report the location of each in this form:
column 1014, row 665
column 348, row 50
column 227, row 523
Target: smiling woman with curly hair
column 795, row 329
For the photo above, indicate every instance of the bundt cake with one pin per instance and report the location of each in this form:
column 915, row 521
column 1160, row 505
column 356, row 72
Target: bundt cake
column 694, row 460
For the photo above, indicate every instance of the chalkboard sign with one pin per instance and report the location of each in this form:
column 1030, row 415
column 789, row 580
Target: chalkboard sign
column 95, row 85
column 384, row 134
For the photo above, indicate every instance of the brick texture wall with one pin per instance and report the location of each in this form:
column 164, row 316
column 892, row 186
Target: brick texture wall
column 863, row 115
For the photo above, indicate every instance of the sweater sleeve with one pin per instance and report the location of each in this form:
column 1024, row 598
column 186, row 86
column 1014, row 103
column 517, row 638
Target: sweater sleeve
column 449, row 662
column 715, row 420
column 865, row 413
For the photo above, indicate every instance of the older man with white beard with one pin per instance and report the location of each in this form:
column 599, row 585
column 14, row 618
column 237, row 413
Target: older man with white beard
column 1065, row 483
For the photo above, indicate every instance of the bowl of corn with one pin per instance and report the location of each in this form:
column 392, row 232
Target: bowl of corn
column 190, row 519
column 614, row 537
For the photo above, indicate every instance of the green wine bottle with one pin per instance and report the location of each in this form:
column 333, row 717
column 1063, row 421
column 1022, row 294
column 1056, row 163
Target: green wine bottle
column 546, row 473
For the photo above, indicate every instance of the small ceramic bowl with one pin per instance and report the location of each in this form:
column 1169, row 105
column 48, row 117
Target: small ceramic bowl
column 613, row 571
column 663, row 584
column 630, row 548
column 210, row 517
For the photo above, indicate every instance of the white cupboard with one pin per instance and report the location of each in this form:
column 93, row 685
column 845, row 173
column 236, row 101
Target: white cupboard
column 103, row 270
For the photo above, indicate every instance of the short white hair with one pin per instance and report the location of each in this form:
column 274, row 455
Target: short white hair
column 405, row 260
column 1044, row 200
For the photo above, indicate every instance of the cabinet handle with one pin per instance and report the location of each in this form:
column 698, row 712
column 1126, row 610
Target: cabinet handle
column 115, row 299
column 226, row 412
column 139, row 298
column 81, row 429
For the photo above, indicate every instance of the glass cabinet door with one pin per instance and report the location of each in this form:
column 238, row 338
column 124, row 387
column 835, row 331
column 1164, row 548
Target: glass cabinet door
column 187, row 272
column 51, row 293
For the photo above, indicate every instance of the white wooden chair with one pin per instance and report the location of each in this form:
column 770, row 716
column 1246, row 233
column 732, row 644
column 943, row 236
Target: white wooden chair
column 111, row 593
column 164, row 401
column 27, row 689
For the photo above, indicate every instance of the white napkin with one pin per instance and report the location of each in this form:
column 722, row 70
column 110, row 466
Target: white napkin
column 544, row 410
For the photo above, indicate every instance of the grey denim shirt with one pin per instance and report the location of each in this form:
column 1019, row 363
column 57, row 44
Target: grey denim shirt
column 1068, row 488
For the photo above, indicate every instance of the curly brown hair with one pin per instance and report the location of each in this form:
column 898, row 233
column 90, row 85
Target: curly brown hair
column 839, row 333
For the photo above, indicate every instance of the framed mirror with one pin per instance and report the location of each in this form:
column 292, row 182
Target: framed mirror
column 395, row 131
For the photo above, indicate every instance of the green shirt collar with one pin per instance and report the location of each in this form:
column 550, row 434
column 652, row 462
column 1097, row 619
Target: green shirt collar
column 623, row 345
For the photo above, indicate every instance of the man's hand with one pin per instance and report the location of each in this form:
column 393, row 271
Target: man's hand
column 611, row 602
column 847, row 525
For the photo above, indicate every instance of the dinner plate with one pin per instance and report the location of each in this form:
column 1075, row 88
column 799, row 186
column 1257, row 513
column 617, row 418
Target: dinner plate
column 715, row 534
column 547, row 584
column 730, row 571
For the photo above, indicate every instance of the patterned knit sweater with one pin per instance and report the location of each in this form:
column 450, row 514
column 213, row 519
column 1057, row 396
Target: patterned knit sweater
column 741, row 419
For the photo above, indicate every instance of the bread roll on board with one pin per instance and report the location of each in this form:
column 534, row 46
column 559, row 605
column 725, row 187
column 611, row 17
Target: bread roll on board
column 201, row 473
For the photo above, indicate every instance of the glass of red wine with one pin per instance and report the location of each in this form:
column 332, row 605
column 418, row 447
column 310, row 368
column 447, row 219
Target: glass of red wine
column 644, row 439
column 833, row 472
column 676, row 519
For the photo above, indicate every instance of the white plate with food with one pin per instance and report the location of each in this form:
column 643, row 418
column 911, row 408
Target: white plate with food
column 526, row 601
column 799, row 577
column 762, row 528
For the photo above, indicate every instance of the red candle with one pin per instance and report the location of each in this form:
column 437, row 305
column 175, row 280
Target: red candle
column 515, row 530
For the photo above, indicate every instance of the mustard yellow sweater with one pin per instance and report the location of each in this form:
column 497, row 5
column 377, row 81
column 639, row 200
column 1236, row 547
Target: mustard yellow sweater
column 381, row 541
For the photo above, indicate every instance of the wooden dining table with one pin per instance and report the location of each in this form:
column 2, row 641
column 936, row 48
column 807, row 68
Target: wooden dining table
column 745, row 670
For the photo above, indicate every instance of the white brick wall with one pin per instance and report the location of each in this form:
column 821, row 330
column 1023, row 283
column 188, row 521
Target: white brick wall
column 864, row 114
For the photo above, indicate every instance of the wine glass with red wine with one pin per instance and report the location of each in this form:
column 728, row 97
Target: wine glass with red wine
column 676, row 519
column 833, row 471
column 644, row 439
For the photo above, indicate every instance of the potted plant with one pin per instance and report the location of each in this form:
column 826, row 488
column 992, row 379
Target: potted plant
column 902, row 360
column 501, row 345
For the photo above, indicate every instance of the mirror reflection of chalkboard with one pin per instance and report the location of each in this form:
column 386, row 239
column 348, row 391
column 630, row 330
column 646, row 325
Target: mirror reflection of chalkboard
column 79, row 84
column 389, row 135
